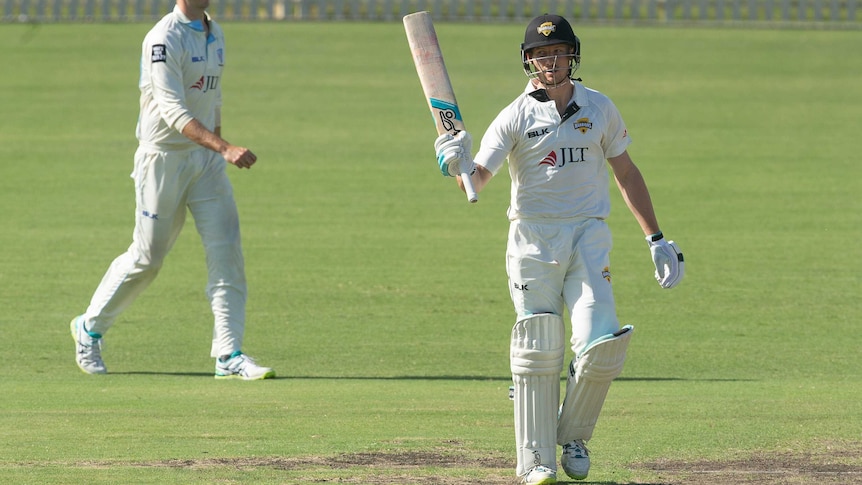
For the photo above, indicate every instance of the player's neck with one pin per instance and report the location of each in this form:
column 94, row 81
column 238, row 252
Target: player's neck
column 561, row 93
column 192, row 12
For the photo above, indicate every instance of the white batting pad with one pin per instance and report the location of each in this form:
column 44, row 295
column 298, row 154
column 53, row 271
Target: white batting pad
column 590, row 376
column 536, row 357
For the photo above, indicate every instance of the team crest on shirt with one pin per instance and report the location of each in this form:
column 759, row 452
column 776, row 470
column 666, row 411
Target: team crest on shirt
column 583, row 124
column 606, row 274
column 546, row 28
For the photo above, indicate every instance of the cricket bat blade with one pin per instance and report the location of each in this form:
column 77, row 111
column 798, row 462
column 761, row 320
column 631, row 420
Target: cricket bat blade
column 428, row 59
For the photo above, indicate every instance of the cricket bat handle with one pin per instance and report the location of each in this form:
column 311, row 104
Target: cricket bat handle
column 472, row 196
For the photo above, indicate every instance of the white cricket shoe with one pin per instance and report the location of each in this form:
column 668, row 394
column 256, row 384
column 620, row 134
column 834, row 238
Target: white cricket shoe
column 241, row 366
column 576, row 459
column 88, row 348
column 540, row 475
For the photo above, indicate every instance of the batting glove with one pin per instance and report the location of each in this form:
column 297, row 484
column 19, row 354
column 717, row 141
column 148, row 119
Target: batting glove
column 668, row 260
column 454, row 154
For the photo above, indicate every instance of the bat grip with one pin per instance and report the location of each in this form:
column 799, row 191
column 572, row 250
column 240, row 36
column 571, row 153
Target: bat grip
column 468, row 187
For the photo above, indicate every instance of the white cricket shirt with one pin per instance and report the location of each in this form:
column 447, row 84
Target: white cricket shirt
column 557, row 163
column 181, row 69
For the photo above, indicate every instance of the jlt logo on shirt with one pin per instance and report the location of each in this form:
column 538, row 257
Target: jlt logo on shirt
column 205, row 83
column 567, row 155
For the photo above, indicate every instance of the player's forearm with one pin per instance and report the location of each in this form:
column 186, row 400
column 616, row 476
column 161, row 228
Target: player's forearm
column 636, row 195
column 634, row 191
column 638, row 200
column 198, row 133
column 480, row 179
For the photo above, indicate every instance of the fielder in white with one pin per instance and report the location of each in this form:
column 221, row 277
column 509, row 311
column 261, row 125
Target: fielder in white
column 180, row 165
column 557, row 136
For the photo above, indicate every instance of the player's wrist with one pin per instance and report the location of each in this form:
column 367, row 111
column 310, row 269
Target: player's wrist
column 655, row 237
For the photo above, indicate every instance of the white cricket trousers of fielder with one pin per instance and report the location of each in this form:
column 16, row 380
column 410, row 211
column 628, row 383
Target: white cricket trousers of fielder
column 560, row 265
column 166, row 183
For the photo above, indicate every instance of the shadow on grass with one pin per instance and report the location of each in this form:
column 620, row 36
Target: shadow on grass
column 604, row 482
column 502, row 379
column 430, row 378
column 154, row 373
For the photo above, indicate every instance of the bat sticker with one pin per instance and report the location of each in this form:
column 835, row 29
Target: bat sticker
column 448, row 112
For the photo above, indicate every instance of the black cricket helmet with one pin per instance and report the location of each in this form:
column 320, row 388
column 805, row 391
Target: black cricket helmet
column 547, row 30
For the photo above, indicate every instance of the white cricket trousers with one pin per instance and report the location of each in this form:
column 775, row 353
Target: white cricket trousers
column 560, row 265
column 166, row 183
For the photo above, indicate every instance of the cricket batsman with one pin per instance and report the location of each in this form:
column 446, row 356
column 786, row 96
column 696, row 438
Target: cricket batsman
column 557, row 136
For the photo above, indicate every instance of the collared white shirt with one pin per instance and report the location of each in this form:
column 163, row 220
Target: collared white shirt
column 181, row 68
column 557, row 163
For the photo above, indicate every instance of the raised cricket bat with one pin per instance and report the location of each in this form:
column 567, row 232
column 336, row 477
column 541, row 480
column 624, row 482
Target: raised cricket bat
column 435, row 81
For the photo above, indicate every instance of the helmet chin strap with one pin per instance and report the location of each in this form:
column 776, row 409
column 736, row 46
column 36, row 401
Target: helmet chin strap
column 565, row 81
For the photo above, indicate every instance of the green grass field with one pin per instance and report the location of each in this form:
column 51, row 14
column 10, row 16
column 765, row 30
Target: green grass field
column 379, row 294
